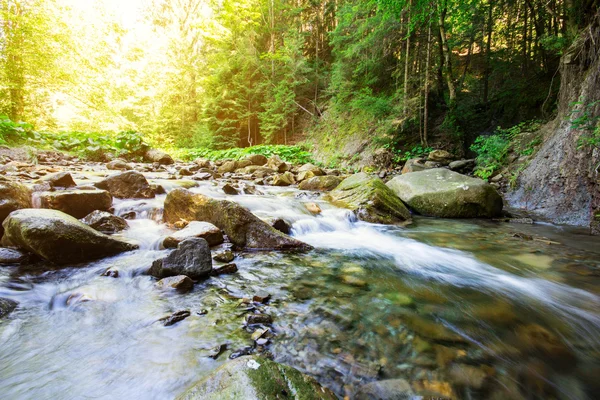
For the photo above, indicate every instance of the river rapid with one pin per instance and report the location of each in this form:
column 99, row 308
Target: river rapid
column 465, row 309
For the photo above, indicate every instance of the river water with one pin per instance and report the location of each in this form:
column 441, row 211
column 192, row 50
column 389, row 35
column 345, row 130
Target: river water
column 463, row 309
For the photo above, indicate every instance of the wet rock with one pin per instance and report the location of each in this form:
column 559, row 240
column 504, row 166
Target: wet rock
column 60, row 179
column 316, row 171
column 284, row 179
column 202, row 176
column 181, row 283
column 469, row 376
column 321, row 183
column 229, row 189
column 353, row 281
column 186, row 171
column 158, row 156
column 111, row 273
column 313, row 208
column 304, row 175
column 78, row 298
column 118, row 164
column 204, row 230
column 217, row 351
column 175, row 317
column 259, row 172
column 281, row 225
column 434, row 388
column 275, row 163
column 224, row 256
column 241, row 352
column 242, row 227
column 76, row 203
column 252, row 319
column 370, row 199
column 7, row 306
column 256, row 378
column 202, row 162
column 414, row 165
column 539, row 342
column 191, row 258
column 158, row 189
column 12, row 256
column 391, row 389
column 58, row 237
column 241, row 164
column 440, row 156
column 462, row 165
column 261, row 297
column 442, row 193
column 227, row 167
column 13, row 196
column 105, row 222
column 257, row 159
column 127, row 185
column 225, row 269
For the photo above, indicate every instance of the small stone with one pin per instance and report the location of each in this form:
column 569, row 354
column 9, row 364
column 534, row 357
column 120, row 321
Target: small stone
column 224, row 256
column 261, row 297
column 229, row 189
column 252, row 319
column 60, row 179
column 217, row 351
column 195, row 229
column 225, row 269
column 353, row 281
column 281, row 225
column 181, row 283
column 175, row 317
column 241, row 352
column 313, row 208
column 257, row 334
column 7, row 306
column 111, row 273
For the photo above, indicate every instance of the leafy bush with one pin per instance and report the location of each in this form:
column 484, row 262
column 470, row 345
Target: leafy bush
column 292, row 154
column 11, row 132
column 585, row 120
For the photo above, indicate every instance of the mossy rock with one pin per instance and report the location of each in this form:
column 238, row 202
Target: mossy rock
column 257, row 378
column 440, row 192
column 13, row 196
column 370, row 199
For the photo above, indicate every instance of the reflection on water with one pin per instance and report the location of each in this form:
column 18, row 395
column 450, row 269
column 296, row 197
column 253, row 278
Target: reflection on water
column 462, row 309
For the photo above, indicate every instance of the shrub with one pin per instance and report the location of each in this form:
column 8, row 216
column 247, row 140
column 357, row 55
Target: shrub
column 292, row 154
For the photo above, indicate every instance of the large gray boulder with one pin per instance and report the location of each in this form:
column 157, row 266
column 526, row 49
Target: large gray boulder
column 256, row 378
column 191, row 258
column 58, row 237
column 200, row 229
column 370, row 199
column 76, row 203
column 13, row 196
column 440, row 192
column 242, row 227
column 127, row 185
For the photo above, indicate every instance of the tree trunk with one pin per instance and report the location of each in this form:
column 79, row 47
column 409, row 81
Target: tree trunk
column 488, row 45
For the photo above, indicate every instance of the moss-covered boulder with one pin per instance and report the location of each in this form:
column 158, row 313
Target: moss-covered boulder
column 370, row 199
column 440, row 192
column 76, row 203
column 13, row 196
column 58, row 237
column 242, row 227
column 320, row 183
column 256, row 378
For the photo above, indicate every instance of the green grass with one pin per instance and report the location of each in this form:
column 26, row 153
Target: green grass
column 291, row 154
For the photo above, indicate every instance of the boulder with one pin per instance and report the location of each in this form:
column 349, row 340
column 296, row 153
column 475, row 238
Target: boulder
column 243, row 164
column 158, row 156
column 462, row 165
column 202, row 162
column 275, row 163
column 281, row 225
column 224, row 256
column 204, row 230
column 259, row 172
column 256, row 378
column 12, row 256
column 285, row 179
column 257, row 159
column 13, row 196
column 181, row 283
column 390, row 389
column 127, row 185
column 60, row 179
column 7, row 306
column 414, row 165
column 442, row 193
column 191, row 258
column 228, row 166
column 229, row 189
column 370, row 199
column 118, row 164
column 321, row 183
column 105, row 222
column 304, row 175
column 312, row 168
column 440, row 156
column 76, row 203
column 58, row 237
column 242, row 227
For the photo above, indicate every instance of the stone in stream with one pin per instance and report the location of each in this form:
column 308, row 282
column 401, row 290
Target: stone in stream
column 261, row 297
column 118, row 164
column 256, row 378
column 370, row 200
column 13, row 196
column 76, row 203
column 191, row 258
column 204, row 230
column 12, row 256
column 227, row 167
column 274, row 162
column 321, row 183
column 127, row 185
column 242, row 227
column 443, row 193
column 181, row 283
column 58, row 237
column 312, row 168
column 304, row 175
column 225, row 269
column 281, row 225
column 257, row 159
column 60, row 179
column 229, row 189
column 252, row 319
column 539, row 342
column 390, row 389
column 111, row 273
column 224, row 256
column 175, row 317
column 284, row 179
column 313, row 208
column 7, row 306
column 158, row 156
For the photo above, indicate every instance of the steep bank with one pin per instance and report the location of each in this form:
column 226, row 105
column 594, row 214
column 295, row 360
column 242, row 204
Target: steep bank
column 561, row 182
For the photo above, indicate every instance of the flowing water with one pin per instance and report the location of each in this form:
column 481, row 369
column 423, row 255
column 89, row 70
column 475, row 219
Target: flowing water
column 462, row 309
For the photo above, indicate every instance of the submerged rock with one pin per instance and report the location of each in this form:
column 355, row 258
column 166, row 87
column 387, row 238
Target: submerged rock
column 58, row 237
column 181, row 283
column 127, row 185
column 242, row 227
column 191, row 258
column 225, row 269
column 370, row 199
column 175, row 317
column 13, row 196
column 391, row 389
column 224, row 256
column 204, row 230
column 7, row 306
column 105, row 222
column 76, row 203
column 320, row 183
column 256, row 378
column 442, row 193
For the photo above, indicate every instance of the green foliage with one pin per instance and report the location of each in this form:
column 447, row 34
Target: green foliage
column 291, row 154
column 12, row 132
column 586, row 119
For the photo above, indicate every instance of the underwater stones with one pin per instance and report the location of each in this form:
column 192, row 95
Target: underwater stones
column 370, row 200
column 469, row 376
column 174, row 318
column 537, row 341
column 390, row 389
column 320, row 183
column 225, row 269
column 199, row 229
column 224, row 256
column 430, row 329
column 256, row 378
column 13, row 196
column 191, row 258
column 77, row 203
column 252, row 319
column 7, row 306
column 58, row 237
column 442, row 193
column 127, row 185
column 158, row 156
column 181, row 283
column 242, row 227
column 60, row 179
